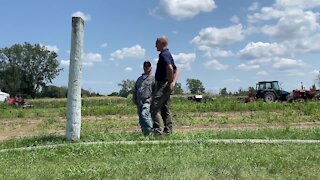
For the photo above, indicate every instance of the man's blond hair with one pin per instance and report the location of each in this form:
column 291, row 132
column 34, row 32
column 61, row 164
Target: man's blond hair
column 163, row 40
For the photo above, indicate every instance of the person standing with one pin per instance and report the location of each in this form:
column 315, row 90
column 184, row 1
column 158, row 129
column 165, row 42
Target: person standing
column 142, row 98
column 166, row 77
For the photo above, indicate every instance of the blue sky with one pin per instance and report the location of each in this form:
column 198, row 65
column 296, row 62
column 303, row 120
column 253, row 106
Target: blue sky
column 223, row 43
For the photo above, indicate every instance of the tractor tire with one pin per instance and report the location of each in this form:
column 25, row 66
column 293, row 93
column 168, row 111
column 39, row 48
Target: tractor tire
column 269, row 97
column 299, row 100
column 290, row 98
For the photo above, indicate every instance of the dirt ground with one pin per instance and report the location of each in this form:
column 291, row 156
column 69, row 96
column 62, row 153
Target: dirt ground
column 17, row 128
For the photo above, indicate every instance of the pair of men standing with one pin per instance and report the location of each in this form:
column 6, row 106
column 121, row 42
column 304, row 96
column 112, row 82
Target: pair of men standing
column 152, row 94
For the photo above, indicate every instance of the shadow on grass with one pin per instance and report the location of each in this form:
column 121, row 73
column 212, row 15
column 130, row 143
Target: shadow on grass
column 33, row 141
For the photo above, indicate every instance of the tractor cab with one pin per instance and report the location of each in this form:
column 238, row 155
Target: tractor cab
column 270, row 91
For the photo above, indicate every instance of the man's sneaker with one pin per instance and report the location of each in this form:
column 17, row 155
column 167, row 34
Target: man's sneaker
column 157, row 132
column 167, row 131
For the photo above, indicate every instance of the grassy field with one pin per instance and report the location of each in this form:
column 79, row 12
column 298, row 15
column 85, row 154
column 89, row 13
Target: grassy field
column 192, row 161
column 115, row 119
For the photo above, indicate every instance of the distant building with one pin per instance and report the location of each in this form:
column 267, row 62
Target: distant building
column 3, row 96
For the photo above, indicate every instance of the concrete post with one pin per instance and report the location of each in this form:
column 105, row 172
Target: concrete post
column 73, row 125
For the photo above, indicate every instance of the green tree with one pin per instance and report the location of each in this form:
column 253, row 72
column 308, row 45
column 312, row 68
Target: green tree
column 251, row 89
column 317, row 81
column 178, row 89
column 313, row 87
column 114, row 94
column 54, row 92
column 127, row 87
column 223, row 92
column 195, row 86
column 26, row 68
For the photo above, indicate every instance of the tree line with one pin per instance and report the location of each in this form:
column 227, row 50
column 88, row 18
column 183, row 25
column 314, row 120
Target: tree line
column 27, row 69
column 194, row 86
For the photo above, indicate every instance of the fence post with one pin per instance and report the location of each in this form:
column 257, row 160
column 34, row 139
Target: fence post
column 73, row 125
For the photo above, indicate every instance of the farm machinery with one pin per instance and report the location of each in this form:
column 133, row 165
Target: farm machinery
column 270, row 91
column 197, row 98
column 300, row 95
column 18, row 102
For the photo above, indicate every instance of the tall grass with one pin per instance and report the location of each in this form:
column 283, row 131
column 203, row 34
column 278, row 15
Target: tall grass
column 115, row 106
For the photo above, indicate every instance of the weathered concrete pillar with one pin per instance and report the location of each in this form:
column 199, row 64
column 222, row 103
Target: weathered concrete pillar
column 73, row 125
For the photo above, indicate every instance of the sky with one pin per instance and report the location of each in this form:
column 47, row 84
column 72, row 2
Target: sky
column 229, row 44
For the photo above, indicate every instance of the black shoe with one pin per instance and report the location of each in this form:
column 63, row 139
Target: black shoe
column 167, row 131
column 157, row 132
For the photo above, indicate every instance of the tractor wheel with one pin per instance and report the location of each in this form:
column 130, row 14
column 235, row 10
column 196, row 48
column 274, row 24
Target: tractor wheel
column 299, row 100
column 269, row 97
column 290, row 98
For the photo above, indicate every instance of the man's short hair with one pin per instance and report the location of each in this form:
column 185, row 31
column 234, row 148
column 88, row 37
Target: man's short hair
column 146, row 63
column 163, row 40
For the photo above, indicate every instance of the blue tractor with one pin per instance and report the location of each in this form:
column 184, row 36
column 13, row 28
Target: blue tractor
column 270, row 91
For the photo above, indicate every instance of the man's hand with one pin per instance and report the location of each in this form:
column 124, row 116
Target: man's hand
column 170, row 85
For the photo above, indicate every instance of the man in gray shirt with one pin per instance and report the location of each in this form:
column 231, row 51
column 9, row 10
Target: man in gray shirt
column 142, row 98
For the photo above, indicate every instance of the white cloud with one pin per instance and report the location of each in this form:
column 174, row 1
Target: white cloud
column 254, row 6
column 293, row 24
column 285, row 64
column 53, row 48
column 64, row 62
column 98, row 82
column 183, row 9
column 128, row 69
column 235, row 19
column 248, row 66
column 296, row 74
column 260, row 50
column 175, row 32
column 215, row 65
column 262, row 73
column 260, row 61
column 212, row 36
column 315, row 72
column 300, row 4
column 267, row 13
column 184, row 60
column 135, row 52
column 88, row 59
column 104, row 45
column 306, row 45
column 217, row 52
column 85, row 17
column 232, row 80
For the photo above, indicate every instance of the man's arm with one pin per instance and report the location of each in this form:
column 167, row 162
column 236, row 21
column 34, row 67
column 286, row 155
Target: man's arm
column 176, row 75
column 134, row 94
column 172, row 75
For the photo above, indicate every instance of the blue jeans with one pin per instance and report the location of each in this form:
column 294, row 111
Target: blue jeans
column 145, row 119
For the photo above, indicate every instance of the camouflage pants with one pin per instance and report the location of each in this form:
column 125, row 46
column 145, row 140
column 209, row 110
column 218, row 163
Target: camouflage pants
column 160, row 108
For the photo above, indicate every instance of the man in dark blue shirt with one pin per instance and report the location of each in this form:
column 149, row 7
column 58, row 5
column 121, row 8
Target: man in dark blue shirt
column 166, row 77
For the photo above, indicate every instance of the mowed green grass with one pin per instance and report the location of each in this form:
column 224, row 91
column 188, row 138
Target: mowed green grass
column 187, row 161
column 198, row 160
column 105, row 113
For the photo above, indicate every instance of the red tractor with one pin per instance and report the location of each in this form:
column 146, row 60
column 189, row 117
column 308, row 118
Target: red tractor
column 18, row 102
column 300, row 95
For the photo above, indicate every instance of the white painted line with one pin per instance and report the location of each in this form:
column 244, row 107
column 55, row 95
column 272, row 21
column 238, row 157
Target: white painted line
column 155, row 142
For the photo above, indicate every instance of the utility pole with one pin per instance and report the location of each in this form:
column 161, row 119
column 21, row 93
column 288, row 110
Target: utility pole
column 73, row 125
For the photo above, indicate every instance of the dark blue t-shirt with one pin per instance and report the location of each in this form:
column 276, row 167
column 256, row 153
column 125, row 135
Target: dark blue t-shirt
column 165, row 58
